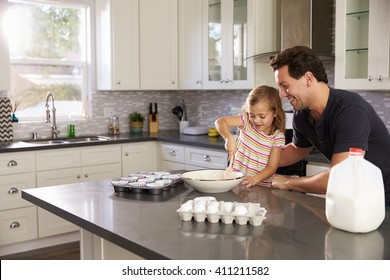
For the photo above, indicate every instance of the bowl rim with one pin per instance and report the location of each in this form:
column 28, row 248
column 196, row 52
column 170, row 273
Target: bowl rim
column 208, row 180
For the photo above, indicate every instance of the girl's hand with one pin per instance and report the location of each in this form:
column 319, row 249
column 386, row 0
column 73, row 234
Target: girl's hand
column 249, row 181
column 280, row 182
column 231, row 146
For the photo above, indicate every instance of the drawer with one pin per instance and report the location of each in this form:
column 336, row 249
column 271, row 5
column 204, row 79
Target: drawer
column 101, row 155
column 12, row 163
column 171, row 165
column 173, row 153
column 58, row 159
column 206, row 158
column 18, row 225
column 11, row 187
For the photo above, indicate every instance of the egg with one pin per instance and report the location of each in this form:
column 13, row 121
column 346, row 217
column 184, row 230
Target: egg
column 212, row 209
column 200, row 207
column 240, row 210
column 228, row 207
column 186, row 207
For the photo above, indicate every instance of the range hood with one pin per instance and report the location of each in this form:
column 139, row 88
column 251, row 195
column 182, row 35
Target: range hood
column 305, row 23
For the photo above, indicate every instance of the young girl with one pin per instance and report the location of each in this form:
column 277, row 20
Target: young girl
column 257, row 151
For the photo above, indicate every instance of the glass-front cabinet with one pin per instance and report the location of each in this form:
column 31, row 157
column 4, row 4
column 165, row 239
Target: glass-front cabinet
column 362, row 44
column 227, row 41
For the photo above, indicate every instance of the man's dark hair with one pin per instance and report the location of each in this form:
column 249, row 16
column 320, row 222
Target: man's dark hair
column 299, row 60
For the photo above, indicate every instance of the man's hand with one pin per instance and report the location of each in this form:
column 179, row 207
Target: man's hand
column 280, row 182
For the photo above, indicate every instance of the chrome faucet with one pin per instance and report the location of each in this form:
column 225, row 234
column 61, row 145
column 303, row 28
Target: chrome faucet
column 54, row 130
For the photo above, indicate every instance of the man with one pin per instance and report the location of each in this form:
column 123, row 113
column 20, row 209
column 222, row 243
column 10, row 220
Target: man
column 328, row 119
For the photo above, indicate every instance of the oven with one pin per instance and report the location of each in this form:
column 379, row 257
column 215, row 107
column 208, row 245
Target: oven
column 296, row 169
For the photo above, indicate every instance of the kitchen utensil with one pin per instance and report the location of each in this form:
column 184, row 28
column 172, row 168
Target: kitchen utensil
column 177, row 110
column 211, row 180
column 229, row 173
column 184, row 117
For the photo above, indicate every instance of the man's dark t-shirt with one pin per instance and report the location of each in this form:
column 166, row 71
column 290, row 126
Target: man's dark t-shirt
column 348, row 121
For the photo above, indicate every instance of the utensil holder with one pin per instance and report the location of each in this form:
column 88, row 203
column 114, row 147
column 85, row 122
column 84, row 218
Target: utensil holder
column 182, row 125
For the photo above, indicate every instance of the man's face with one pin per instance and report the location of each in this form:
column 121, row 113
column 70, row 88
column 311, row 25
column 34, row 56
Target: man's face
column 292, row 89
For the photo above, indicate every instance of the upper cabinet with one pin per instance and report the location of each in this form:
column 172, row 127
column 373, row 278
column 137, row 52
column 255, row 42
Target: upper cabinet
column 158, row 44
column 228, row 38
column 362, row 44
column 4, row 53
column 117, row 47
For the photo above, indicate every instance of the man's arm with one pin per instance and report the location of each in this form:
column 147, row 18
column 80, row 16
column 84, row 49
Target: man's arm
column 292, row 154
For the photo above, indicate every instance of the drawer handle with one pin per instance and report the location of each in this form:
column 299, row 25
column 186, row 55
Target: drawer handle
column 12, row 163
column 86, row 175
column 78, row 176
column 127, row 154
column 206, row 158
column 13, row 190
column 14, row 225
column 172, row 153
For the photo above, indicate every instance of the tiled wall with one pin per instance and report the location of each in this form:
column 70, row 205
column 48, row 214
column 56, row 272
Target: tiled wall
column 214, row 103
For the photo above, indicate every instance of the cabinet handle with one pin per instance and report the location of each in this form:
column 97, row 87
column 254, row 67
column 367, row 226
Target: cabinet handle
column 127, row 154
column 222, row 81
column 206, row 158
column 14, row 225
column 86, row 175
column 12, row 163
column 380, row 78
column 118, row 82
column 13, row 190
column 78, row 176
column 198, row 82
column 173, row 82
column 370, row 78
column 172, row 153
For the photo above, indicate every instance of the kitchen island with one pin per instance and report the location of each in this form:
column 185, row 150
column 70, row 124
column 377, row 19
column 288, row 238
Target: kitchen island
column 115, row 226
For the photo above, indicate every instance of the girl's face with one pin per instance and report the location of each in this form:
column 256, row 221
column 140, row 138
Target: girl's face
column 262, row 116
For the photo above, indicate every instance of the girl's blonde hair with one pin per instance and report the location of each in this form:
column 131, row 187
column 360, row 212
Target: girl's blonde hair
column 271, row 95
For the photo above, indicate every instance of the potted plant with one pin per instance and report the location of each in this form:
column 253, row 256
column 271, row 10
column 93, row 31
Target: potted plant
column 136, row 122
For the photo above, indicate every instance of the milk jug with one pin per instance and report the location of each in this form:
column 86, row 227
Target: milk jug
column 355, row 198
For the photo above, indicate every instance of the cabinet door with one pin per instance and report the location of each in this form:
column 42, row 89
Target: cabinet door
column 101, row 172
column 11, row 187
column 58, row 159
column 139, row 157
column 362, row 44
column 100, row 155
column 190, row 44
column 206, row 158
column 117, row 47
column 18, row 225
column 158, row 44
column 4, row 54
column 59, row 177
column 13, row 163
column 228, row 28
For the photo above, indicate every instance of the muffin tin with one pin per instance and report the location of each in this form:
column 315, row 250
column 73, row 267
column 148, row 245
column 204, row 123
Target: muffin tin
column 151, row 182
column 202, row 208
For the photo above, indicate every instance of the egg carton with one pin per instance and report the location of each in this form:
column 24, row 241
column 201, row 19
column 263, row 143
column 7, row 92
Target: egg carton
column 202, row 208
column 152, row 182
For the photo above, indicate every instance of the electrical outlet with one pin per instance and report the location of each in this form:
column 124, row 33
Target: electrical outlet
column 200, row 111
column 108, row 112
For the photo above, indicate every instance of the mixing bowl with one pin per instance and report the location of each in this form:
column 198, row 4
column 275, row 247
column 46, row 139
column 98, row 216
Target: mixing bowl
column 211, row 180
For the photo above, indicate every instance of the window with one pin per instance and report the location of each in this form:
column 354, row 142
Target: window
column 48, row 46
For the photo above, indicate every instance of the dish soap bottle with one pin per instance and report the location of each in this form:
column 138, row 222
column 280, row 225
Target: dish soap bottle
column 71, row 127
column 355, row 197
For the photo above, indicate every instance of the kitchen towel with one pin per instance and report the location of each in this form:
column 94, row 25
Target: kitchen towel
column 6, row 129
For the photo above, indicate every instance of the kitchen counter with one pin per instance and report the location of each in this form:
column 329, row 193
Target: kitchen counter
column 149, row 226
column 171, row 136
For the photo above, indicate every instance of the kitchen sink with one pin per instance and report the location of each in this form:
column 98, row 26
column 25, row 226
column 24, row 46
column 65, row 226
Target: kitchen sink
column 67, row 140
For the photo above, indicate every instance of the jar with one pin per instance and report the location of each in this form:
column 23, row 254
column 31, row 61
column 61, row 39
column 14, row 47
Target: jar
column 113, row 126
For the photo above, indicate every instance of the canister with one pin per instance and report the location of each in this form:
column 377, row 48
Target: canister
column 113, row 126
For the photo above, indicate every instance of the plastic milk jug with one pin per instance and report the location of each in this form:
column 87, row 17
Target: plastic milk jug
column 355, row 197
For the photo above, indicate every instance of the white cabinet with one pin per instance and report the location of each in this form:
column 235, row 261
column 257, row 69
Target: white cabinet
column 158, row 44
column 139, row 157
column 190, row 44
column 117, row 48
column 18, row 218
column 66, row 166
column 4, row 53
column 228, row 38
column 362, row 44
column 176, row 157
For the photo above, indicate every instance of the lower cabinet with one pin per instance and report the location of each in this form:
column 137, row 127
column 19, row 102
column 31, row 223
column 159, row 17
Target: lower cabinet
column 66, row 166
column 176, row 157
column 313, row 168
column 139, row 157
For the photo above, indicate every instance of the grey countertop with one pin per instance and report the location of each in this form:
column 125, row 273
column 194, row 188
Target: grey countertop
column 149, row 226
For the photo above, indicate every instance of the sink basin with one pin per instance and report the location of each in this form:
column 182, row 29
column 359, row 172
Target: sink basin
column 68, row 140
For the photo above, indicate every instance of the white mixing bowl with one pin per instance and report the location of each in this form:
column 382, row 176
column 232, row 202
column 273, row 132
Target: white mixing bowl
column 211, row 180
